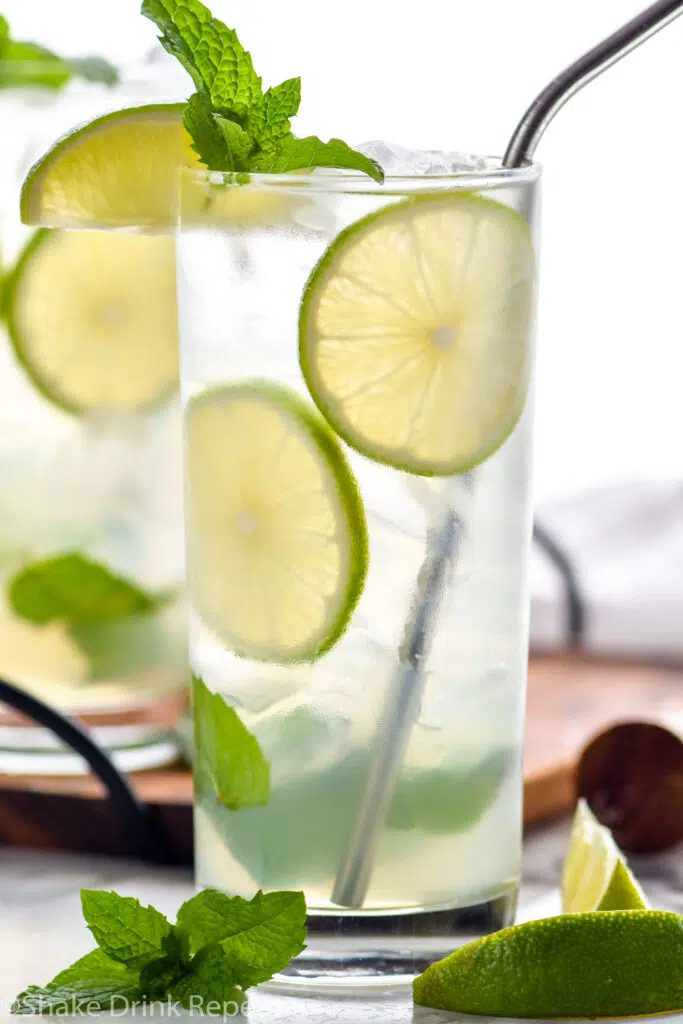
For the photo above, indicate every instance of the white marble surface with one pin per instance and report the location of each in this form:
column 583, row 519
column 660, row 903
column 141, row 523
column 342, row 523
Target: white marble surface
column 41, row 928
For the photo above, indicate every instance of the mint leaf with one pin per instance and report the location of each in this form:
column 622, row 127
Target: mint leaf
column 269, row 121
column 159, row 977
column 228, row 754
column 290, row 154
column 45, row 69
column 92, row 983
column 254, row 130
column 211, row 51
column 76, row 590
column 208, row 986
column 124, row 929
column 260, row 936
column 95, row 69
column 238, row 145
column 208, row 140
column 23, row 63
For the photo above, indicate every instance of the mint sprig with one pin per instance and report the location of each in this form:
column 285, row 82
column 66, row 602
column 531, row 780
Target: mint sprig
column 233, row 124
column 220, row 947
column 28, row 64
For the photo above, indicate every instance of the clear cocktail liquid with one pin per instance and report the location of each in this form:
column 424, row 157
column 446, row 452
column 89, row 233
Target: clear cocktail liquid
column 447, row 863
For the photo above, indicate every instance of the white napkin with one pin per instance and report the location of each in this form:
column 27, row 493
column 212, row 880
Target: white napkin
column 624, row 543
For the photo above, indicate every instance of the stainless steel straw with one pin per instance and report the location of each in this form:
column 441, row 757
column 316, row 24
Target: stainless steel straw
column 402, row 707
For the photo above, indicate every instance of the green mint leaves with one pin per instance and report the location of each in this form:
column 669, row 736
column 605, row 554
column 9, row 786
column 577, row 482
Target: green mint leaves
column 259, row 936
column 229, row 761
column 94, row 981
column 233, row 124
column 72, row 588
column 27, row 64
column 219, row 947
column 124, row 929
column 112, row 620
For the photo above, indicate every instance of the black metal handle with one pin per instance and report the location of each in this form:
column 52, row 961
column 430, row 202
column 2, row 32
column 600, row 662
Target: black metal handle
column 143, row 841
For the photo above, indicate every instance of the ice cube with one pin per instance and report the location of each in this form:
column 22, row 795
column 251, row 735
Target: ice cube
column 398, row 160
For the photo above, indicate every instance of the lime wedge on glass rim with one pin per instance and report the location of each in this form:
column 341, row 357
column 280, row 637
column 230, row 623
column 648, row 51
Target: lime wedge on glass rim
column 92, row 319
column 414, row 331
column 120, row 171
column 595, row 875
column 277, row 536
column 117, row 170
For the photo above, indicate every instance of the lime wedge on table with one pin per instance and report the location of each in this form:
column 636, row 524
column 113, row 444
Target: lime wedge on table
column 621, row 964
column 276, row 530
column 92, row 318
column 414, row 331
column 595, row 875
column 120, row 170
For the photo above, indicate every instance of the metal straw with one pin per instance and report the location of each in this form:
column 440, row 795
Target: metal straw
column 402, row 707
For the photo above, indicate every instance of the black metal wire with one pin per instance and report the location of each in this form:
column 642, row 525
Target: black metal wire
column 540, row 113
column 576, row 608
column 131, row 813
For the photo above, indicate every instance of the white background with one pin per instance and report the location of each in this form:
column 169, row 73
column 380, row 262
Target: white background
column 457, row 74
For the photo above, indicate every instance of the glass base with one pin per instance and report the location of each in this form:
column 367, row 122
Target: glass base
column 381, row 952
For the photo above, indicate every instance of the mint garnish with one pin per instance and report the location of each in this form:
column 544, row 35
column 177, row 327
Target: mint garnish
column 73, row 589
column 219, row 947
column 95, row 978
column 257, row 935
column 124, row 929
column 28, row 64
column 229, row 759
column 234, row 126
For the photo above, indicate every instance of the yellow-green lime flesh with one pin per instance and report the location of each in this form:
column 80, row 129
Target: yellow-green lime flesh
column 121, row 171
column 415, row 331
column 277, row 539
column 92, row 318
column 595, row 875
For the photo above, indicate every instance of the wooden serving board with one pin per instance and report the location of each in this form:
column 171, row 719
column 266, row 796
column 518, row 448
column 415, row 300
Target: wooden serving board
column 570, row 699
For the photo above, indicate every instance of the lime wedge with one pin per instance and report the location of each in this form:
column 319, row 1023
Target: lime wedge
column 622, row 964
column 276, row 529
column 120, row 171
column 595, row 875
column 415, row 331
column 117, row 170
column 92, row 318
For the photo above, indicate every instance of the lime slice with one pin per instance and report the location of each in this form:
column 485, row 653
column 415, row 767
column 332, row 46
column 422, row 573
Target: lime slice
column 276, row 529
column 595, row 875
column 622, row 964
column 92, row 318
column 117, row 170
column 415, row 331
column 120, row 171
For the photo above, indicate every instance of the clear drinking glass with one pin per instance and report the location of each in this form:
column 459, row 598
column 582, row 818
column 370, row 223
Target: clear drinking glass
column 446, row 864
column 103, row 484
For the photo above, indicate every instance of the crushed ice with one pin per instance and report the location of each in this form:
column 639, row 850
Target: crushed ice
column 397, row 159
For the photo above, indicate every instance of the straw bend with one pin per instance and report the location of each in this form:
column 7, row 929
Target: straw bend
column 540, row 113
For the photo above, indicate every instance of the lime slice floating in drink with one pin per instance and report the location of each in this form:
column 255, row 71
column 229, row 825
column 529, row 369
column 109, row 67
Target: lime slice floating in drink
column 414, row 331
column 595, row 875
column 92, row 318
column 276, row 529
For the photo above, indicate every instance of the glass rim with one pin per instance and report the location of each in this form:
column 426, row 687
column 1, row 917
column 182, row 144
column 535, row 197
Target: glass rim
column 332, row 180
